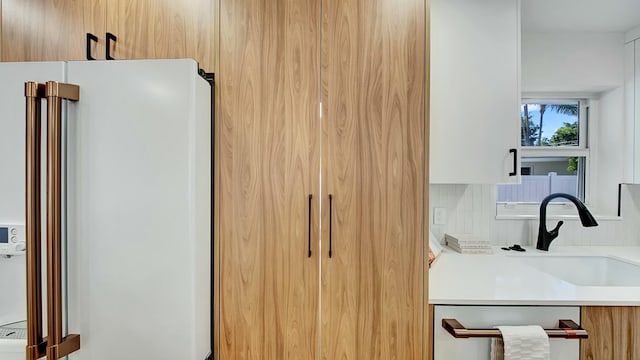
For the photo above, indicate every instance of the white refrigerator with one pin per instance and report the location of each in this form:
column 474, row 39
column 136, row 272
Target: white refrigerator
column 120, row 254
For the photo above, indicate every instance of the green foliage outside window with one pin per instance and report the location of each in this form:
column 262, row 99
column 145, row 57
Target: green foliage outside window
column 567, row 135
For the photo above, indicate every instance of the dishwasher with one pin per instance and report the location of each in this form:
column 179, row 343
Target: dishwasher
column 447, row 347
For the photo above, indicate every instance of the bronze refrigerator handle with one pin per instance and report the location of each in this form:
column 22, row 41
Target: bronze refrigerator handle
column 36, row 343
column 57, row 345
column 568, row 329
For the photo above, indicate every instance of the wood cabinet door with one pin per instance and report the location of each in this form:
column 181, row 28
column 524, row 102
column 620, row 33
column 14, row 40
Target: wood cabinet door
column 614, row 333
column 48, row 30
column 151, row 29
column 373, row 166
column 267, row 151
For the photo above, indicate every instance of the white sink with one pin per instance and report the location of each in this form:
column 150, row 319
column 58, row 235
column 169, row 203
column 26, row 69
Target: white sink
column 587, row 270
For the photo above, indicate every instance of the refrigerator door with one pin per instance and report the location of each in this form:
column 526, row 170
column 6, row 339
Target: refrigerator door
column 139, row 210
column 12, row 186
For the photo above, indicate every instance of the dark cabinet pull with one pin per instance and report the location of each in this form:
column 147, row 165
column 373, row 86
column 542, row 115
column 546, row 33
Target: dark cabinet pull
column 90, row 38
column 309, row 243
column 110, row 37
column 515, row 162
column 330, row 225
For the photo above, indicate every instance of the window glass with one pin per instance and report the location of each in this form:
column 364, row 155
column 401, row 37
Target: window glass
column 542, row 176
column 550, row 123
column 554, row 154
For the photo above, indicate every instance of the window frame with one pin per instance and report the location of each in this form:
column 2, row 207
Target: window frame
column 586, row 103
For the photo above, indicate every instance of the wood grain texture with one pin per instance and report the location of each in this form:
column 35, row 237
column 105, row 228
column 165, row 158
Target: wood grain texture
column 46, row 30
column 268, row 145
column 614, row 333
column 151, row 29
column 216, row 36
column 216, row 183
column 373, row 81
column 428, row 316
column 428, row 312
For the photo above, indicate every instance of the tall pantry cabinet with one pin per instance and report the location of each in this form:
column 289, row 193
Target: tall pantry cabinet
column 267, row 165
column 373, row 167
column 321, row 179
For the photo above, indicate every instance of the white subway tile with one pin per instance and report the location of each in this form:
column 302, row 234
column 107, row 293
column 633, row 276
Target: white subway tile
column 471, row 209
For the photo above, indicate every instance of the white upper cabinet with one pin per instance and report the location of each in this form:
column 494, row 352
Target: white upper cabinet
column 632, row 101
column 475, row 91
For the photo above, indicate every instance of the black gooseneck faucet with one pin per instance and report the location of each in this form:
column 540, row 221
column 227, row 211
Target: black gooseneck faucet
column 546, row 237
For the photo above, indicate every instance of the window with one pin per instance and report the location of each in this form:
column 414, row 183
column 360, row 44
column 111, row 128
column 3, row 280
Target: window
column 554, row 152
column 558, row 120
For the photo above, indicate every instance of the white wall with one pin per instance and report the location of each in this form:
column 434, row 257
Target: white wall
column 471, row 209
column 593, row 64
column 590, row 63
column 632, row 34
column 569, row 62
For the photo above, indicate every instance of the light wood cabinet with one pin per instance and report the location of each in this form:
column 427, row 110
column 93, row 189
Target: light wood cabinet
column 47, row 30
column 151, row 29
column 363, row 158
column 43, row 30
column 373, row 167
column 614, row 333
column 267, row 146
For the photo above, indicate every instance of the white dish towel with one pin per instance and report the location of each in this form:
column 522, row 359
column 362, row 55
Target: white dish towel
column 521, row 343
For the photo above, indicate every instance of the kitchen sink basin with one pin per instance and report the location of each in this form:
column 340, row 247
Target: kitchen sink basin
column 587, row 270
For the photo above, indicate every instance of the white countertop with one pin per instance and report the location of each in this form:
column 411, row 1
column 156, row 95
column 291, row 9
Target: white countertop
column 503, row 279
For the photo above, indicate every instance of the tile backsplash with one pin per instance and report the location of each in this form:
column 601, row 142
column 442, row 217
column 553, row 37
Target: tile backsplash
column 472, row 209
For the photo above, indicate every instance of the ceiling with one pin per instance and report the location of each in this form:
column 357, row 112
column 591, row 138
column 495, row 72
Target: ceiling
column 580, row 15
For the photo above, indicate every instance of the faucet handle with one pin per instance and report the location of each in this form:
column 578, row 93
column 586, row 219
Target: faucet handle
column 554, row 233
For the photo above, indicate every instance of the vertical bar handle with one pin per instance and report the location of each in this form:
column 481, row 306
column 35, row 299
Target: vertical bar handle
column 57, row 345
column 90, row 38
column 309, row 239
column 110, row 37
column 515, row 162
column 36, row 344
column 330, row 225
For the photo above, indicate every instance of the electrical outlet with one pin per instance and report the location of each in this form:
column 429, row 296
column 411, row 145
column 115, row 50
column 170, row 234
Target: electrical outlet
column 439, row 216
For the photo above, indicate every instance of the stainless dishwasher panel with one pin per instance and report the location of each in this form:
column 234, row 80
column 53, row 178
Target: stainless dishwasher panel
column 446, row 347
